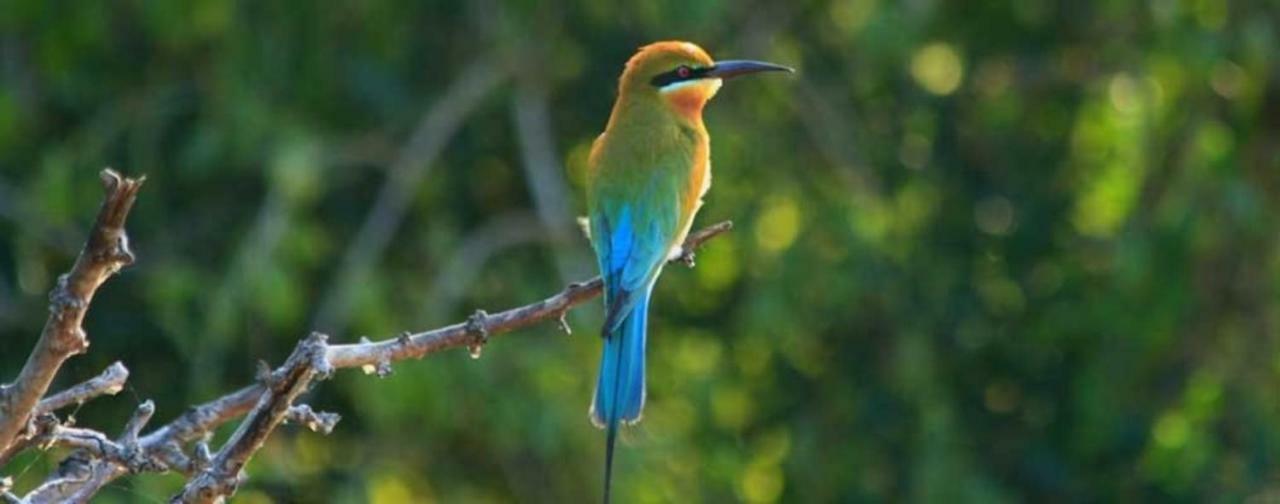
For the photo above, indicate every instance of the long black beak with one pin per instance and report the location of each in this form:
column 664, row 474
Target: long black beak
column 729, row 69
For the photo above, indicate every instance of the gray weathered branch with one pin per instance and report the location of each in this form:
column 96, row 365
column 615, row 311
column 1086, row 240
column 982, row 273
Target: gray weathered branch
column 105, row 252
column 96, row 460
column 221, row 478
column 315, row 421
column 110, row 382
column 480, row 326
column 315, row 358
column 99, row 460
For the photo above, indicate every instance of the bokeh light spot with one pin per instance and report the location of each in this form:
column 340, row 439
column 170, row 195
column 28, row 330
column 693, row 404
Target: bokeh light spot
column 1228, row 79
column 1211, row 14
column 775, row 446
column 731, row 407
column 388, row 489
column 1001, row 295
column 698, row 355
column 1172, row 430
column 778, row 225
column 994, row 77
column 253, row 497
column 852, row 15
column 761, row 482
column 1213, row 142
column 994, row 215
column 752, row 356
column 718, row 265
column 914, row 151
column 937, row 68
column 576, row 162
column 1001, row 397
column 1123, row 91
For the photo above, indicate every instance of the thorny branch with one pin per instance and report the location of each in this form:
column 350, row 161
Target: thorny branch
column 97, row 459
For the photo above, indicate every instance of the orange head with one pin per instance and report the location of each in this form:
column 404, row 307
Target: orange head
column 681, row 75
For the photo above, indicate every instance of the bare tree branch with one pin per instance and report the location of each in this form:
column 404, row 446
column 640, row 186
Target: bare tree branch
column 315, row 421
column 110, row 382
column 223, row 476
column 6, row 484
column 98, row 461
column 106, row 251
column 477, row 329
column 315, row 358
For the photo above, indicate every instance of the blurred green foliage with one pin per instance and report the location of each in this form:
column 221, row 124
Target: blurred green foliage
column 986, row 251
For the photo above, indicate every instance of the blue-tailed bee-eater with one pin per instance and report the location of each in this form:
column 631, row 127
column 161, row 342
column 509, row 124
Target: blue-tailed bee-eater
column 647, row 174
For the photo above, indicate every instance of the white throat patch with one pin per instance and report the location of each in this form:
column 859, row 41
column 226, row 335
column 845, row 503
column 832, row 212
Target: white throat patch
column 711, row 85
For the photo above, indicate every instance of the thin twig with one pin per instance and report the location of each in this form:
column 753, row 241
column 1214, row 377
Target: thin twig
column 110, row 382
column 97, row 459
column 315, row 421
column 106, row 251
column 6, row 484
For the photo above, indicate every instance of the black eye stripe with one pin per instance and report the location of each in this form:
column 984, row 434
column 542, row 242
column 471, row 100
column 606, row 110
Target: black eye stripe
column 674, row 76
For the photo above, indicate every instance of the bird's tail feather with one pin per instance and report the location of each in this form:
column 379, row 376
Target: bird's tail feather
column 620, row 387
column 608, row 458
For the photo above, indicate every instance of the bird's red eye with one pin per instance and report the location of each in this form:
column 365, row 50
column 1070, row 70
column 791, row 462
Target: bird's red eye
column 684, row 72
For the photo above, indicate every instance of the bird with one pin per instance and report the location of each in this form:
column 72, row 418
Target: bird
column 646, row 176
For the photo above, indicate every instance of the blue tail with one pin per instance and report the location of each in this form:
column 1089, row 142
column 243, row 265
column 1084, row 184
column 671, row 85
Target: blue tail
column 620, row 387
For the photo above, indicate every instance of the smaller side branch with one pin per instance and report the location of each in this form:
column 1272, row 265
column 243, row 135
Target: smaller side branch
column 96, row 460
column 110, row 382
column 315, row 421
column 6, row 496
column 105, row 252
column 223, row 476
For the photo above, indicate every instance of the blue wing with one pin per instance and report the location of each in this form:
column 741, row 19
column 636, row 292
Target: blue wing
column 631, row 248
